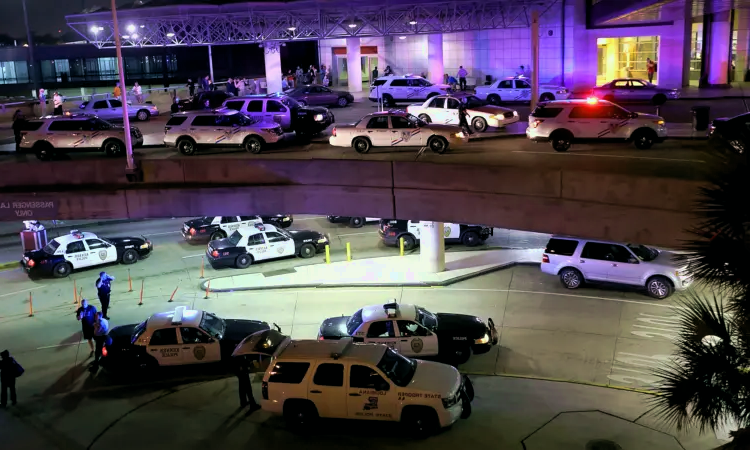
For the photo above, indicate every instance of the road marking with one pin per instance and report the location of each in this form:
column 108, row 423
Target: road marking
column 614, row 156
column 24, row 290
column 357, row 234
column 160, row 234
column 60, row 345
column 193, row 256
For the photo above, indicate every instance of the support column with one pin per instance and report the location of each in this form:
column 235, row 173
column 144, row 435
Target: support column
column 272, row 52
column 211, row 65
column 354, row 64
column 534, row 58
column 742, row 26
column 432, row 247
column 435, row 68
column 718, row 52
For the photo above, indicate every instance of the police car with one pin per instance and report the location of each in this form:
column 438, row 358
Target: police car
column 413, row 331
column 307, row 379
column 444, row 109
column 218, row 227
column 563, row 122
column 392, row 230
column 180, row 337
column 518, row 89
column 406, row 88
column 81, row 250
column 262, row 242
column 354, row 222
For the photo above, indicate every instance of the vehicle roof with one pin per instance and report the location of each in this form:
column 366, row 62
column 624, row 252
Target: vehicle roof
column 574, row 238
column 344, row 349
column 379, row 312
column 575, row 102
column 256, row 228
column 71, row 237
column 455, row 95
column 190, row 318
column 66, row 117
column 258, row 96
column 399, row 76
column 391, row 112
column 198, row 112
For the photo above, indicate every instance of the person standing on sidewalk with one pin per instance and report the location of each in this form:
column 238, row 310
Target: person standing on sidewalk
column 104, row 288
column 117, row 91
column 245, row 388
column 9, row 371
column 42, row 101
column 58, row 102
column 86, row 314
column 650, row 69
column 19, row 122
column 101, row 329
column 138, row 92
column 462, row 73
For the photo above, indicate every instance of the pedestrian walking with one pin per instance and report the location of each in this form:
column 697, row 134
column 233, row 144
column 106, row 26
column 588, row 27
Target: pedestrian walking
column 138, row 93
column 58, row 102
column 650, row 69
column 463, row 116
column 9, row 371
column 375, row 73
column 116, row 92
column 104, row 288
column 252, row 87
column 240, row 83
column 245, row 388
column 42, row 101
column 101, row 329
column 86, row 314
column 462, row 73
column 205, row 85
column 290, row 79
column 191, row 87
column 299, row 75
column 19, row 123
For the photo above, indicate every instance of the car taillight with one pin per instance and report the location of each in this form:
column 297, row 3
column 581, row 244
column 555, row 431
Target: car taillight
column 31, row 263
column 104, row 351
column 215, row 254
column 391, row 233
column 333, row 133
column 192, row 232
column 264, row 390
column 536, row 123
column 545, row 258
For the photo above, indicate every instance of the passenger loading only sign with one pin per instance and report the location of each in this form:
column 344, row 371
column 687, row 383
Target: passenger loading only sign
column 25, row 209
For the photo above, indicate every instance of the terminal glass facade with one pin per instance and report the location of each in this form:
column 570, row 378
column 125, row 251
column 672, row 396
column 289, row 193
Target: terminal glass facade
column 696, row 49
column 12, row 72
column 626, row 57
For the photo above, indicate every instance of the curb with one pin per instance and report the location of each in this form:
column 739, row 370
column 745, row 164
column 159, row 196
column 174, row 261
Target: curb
column 9, row 265
column 436, row 284
column 560, row 380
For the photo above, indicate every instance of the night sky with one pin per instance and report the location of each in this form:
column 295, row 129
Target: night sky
column 45, row 16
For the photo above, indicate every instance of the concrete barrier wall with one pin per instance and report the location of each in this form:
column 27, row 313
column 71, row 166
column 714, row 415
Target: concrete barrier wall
column 648, row 210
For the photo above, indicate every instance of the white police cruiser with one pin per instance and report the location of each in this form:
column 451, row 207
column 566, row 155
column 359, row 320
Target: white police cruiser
column 262, row 242
column 518, row 89
column 81, row 250
column 392, row 230
column 414, row 331
column 217, row 227
column 563, row 122
column 405, row 88
column 307, row 379
column 180, row 337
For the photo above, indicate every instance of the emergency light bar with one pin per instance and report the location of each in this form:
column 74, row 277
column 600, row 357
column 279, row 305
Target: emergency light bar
column 178, row 313
column 260, row 226
column 391, row 307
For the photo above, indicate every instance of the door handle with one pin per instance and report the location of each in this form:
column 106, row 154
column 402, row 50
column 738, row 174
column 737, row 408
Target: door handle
column 582, row 261
column 316, row 392
column 614, row 265
column 153, row 350
column 354, row 395
column 394, row 131
column 186, row 348
column 404, row 340
column 604, row 121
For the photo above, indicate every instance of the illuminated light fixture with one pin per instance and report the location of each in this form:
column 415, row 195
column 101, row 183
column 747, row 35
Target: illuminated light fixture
column 352, row 25
column 95, row 29
column 143, row 26
column 592, row 100
column 131, row 28
column 134, row 36
column 292, row 28
column 170, row 34
column 402, row 37
column 126, row 36
column 413, row 22
column 25, row 45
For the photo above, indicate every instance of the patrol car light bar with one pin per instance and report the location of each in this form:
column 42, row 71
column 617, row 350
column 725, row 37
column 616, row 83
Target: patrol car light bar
column 178, row 313
column 245, row 23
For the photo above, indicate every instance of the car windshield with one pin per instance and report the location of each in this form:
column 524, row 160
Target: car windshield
column 643, row 253
column 213, row 325
column 290, row 102
column 51, row 247
column 399, row 369
column 138, row 331
column 473, row 102
column 416, row 120
column 426, row 318
column 354, row 322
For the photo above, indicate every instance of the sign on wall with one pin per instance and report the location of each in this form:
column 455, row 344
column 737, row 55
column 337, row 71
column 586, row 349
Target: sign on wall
column 27, row 208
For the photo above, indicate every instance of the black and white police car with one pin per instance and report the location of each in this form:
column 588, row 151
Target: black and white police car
column 354, row 222
column 392, row 230
column 81, row 250
column 218, row 227
column 413, row 331
column 180, row 337
column 262, row 242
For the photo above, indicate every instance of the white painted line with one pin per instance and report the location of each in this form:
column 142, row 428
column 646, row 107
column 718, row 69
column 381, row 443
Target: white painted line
column 160, row 234
column 612, row 156
column 193, row 256
column 24, row 290
column 357, row 234
column 595, row 298
column 60, row 345
column 311, row 218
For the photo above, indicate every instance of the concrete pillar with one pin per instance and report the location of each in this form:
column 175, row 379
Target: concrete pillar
column 718, row 52
column 272, row 52
column 432, row 247
column 354, row 64
column 742, row 26
column 211, row 64
column 435, row 68
column 534, row 58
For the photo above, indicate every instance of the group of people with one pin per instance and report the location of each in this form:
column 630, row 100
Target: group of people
column 95, row 324
column 137, row 92
column 310, row 76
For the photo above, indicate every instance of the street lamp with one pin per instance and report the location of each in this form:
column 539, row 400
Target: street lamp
column 123, row 90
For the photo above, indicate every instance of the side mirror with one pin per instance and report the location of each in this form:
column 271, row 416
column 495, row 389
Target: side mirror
column 632, row 260
column 633, row 115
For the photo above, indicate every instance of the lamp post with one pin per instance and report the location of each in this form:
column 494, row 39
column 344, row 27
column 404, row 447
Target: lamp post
column 123, row 90
column 534, row 58
column 30, row 42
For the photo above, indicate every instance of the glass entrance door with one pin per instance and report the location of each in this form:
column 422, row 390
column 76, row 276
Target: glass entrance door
column 368, row 64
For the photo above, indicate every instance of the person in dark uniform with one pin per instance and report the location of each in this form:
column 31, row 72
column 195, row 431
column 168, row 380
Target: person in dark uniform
column 9, row 371
column 19, row 122
column 101, row 331
column 463, row 116
column 104, row 288
column 87, row 315
column 245, row 389
column 191, row 87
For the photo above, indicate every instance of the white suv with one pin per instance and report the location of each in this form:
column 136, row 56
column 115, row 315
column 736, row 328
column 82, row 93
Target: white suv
column 407, row 88
column 563, row 122
column 308, row 379
column 518, row 89
column 576, row 261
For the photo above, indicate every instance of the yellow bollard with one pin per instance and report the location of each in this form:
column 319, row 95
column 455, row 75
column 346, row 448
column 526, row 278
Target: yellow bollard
column 31, row 310
column 348, row 252
column 75, row 293
column 328, row 254
column 401, row 245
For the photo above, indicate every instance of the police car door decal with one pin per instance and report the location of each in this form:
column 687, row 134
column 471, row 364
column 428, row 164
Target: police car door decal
column 415, row 340
column 227, row 136
column 77, row 254
column 613, row 128
column 87, row 137
column 452, row 230
column 405, row 137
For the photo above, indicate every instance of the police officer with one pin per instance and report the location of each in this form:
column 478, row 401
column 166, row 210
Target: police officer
column 86, row 314
column 246, row 390
column 9, row 371
column 104, row 288
column 463, row 115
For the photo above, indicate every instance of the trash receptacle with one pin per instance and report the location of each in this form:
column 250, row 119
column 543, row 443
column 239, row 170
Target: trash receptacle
column 700, row 117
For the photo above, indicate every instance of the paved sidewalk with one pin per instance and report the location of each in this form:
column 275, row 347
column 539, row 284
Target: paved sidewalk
column 377, row 272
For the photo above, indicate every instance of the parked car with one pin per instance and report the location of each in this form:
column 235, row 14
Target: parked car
column 518, row 89
column 111, row 109
column 443, row 109
column 315, row 95
column 284, row 110
column 732, row 133
column 634, row 90
column 203, row 100
column 407, row 88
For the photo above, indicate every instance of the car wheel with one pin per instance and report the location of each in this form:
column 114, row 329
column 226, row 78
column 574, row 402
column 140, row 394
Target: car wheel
column 44, row 151
column 302, row 102
column 409, row 242
column 253, row 144
column 438, row 144
column 216, row 235
column 61, row 270
column 142, row 115
column 361, row 145
column 494, row 99
column 571, row 278
column 479, row 124
column 426, row 118
column 388, row 100
column 114, row 148
column 469, row 388
column 243, row 261
column 659, row 99
column 357, row 222
column 561, row 140
column 659, row 287
column 644, row 139
column 300, row 414
column 546, row 97
column 342, row 102
column 186, row 147
column 461, row 355
column 307, row 251
column 420, row 422
column 130, row 256
column 471, row 239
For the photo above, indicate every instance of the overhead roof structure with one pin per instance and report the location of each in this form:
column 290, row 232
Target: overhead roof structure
column 222, row 22
column 606, row 13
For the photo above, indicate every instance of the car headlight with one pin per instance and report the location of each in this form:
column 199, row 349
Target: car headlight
column 459, row 135
column 659, row 122
column 515, row 113
column 319, row 117
column 562, row 91
column 322, row 241
column 448, row 402
column 144, row 245
column 483, row 340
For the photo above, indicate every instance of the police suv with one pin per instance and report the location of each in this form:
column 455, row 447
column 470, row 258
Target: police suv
column 413, row 331
column 50, row 135
column 306, row 380
column 262, row 242
column 218, row 227
column 284, row 110
column 406, row 88
column 392, row 230
column 80, row 250
column 518, row 89
column 180, row 337
column 566, row 121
